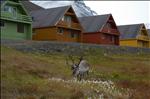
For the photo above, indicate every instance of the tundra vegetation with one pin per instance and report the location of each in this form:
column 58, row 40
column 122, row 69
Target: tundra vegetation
column 46, row 76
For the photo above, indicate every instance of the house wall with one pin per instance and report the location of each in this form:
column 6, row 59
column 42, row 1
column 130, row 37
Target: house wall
column 97, row 38
column 9, row 31
column 45, row 34
column 109, row 39
column 142, row 43
column 66, row 36
column 130, row 42
column 91, row 38
column 51, row 34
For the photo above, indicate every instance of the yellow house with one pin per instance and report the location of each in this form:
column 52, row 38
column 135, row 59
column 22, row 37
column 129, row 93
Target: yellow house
column 134, row 35
column 148, row 30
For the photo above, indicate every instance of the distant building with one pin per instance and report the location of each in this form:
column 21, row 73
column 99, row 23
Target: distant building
column 100, row 29
column 134, row 35
column 56, row 24
column 15, row 23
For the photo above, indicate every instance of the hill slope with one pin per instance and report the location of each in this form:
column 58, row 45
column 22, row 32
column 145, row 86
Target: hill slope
column 45, row 76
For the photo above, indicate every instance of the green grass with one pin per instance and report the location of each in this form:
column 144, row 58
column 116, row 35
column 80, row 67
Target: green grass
column 25, row 75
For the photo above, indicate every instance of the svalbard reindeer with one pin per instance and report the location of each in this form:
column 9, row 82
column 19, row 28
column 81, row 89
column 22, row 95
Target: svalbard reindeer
column 81, row 69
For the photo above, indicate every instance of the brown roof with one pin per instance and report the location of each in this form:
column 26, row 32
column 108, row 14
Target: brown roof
column 48, row 17
column 29, row 6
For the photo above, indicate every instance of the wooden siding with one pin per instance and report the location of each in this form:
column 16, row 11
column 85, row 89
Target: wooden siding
column 45, row 34
column 141, row 43
column 52, row 34
column 66, row 36
column 130, row 42
column 91, row 38
column 110, row 31
column 100, row 38
column 134, row 43
column 109, row 39
column 71, row 25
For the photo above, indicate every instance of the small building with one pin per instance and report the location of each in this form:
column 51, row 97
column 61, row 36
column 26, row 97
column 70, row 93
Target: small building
column 56, row 24
column 15, row 23
column 100, row 29
column 134, row 35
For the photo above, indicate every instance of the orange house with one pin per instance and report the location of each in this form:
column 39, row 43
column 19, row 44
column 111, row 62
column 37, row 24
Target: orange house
column 56, row 24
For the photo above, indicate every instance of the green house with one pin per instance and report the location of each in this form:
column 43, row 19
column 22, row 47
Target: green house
column 15, row 23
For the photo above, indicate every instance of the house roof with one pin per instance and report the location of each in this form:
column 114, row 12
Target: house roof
column 48, row 17
column 29, row 6
column 93, row 23
column 129, row 31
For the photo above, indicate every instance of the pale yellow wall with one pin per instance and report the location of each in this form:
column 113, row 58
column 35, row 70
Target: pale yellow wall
column 131, row 42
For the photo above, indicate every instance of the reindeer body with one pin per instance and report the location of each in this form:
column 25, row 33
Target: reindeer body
column 81, row 70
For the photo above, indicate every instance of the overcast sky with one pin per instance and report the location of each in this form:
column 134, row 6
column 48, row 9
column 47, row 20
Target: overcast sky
column 124, row 12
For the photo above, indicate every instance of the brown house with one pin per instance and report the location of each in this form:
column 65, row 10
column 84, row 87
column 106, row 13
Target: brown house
column 100, row 29
column 56, row 24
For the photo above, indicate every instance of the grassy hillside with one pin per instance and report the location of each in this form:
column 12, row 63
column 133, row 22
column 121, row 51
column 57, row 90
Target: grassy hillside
column 46, row 76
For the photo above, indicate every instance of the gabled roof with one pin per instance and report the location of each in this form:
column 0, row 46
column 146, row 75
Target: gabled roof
column 48, row 17
column 20, row 7
column 94, row 23
column 29, row 6
column 129, row 31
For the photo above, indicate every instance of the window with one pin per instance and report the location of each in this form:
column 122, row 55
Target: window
column 67, row 19
column 109, row 25
column 76, row 35
column 72, row 35
column 2, row 23
column 10, row 9
column 33, row 19
column 33, row 32
column 60, row 30
column 20, row 28
column 113, row 39
column 7, row 8
column 103, row 36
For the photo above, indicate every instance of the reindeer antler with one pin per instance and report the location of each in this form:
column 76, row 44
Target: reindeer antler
column 70, row 57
